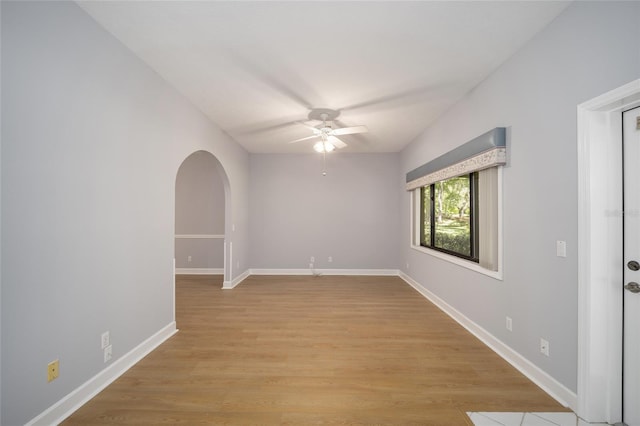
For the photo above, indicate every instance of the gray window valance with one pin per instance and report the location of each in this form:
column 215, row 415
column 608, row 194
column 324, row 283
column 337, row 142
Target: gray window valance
column 487, row 150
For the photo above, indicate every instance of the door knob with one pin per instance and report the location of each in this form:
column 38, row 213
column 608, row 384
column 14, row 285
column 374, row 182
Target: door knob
column 633, row 287
column 633, row 265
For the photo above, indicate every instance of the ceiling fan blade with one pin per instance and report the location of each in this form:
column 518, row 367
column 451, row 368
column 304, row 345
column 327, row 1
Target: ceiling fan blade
column 407, row 97
column 310, row 127
column 336, row 142
column 304, row 139
column 350, row 130
column 260, row 128
column 278, row 83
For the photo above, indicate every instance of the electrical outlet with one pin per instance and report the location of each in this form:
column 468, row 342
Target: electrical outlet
column 509, row 323
column 544, row 347
column 108, row 352
column 330, row 259
column 106, row 340
column 188, row 258
column 561, row 248
column 53, row 370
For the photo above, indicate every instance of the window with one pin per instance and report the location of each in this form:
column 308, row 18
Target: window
column 456, row 204
column 448, row 216
column 458, row 219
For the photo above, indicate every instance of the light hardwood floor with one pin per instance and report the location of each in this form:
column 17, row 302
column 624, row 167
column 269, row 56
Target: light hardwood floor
column 312, row 350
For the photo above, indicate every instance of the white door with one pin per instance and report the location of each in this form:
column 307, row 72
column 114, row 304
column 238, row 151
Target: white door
column 631, row 362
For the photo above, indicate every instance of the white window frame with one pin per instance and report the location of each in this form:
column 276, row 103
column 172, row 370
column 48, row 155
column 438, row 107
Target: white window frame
column 414, row 241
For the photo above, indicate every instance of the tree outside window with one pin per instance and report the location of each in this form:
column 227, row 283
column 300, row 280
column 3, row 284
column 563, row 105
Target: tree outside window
column 449, row 218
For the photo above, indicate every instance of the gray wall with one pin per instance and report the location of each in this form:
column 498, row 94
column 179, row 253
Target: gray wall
column 0, row 226
column 92, row 140
column 589, row 49
column 350, row 214
column 91, row 144
column 200, row 209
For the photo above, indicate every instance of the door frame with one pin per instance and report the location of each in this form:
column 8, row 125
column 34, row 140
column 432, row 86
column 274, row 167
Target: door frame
column 599, row 387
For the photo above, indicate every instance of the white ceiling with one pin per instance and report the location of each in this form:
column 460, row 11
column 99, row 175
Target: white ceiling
column 255, row 68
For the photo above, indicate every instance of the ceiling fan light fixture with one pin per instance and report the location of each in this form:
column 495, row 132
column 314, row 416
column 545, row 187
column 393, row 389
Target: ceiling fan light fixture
column 324, row 146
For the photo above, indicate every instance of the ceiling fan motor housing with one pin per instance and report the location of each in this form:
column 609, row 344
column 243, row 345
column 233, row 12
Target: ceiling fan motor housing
column 323, row 114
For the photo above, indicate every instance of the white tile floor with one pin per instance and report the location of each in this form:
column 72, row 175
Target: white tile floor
column 528, row 419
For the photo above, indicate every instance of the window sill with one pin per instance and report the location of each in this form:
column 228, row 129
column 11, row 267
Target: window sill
column 459, row 261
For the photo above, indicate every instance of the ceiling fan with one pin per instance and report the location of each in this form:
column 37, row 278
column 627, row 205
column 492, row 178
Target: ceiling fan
column 327, row 134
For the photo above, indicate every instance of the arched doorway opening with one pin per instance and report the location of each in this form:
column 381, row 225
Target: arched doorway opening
column 201, row 212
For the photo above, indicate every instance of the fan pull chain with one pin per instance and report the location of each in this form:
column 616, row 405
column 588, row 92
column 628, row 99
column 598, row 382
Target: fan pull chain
column 324, row 151
column 324, row 163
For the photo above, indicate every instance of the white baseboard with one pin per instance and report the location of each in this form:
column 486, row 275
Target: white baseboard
column 550, row 385
column 280, row 272
column 81, row 395
column 367, row 272
column 228, row 285
column 200, row 271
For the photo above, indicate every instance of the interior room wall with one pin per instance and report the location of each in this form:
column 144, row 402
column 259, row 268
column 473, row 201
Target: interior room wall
column 0, row 226
column 92, row 140
column 591, row 48
column 200, row 210
column 350, row 215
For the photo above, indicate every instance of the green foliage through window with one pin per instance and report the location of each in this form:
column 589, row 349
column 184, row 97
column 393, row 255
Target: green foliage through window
column 448, row 216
